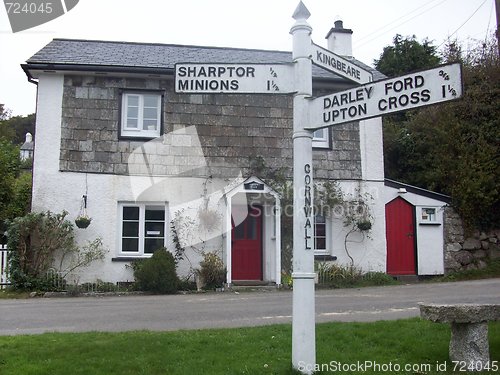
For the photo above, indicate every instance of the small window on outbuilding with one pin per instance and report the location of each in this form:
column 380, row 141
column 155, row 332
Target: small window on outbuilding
column 428, row 215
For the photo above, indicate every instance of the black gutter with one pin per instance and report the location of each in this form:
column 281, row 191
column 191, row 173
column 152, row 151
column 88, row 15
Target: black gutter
column 94, row 68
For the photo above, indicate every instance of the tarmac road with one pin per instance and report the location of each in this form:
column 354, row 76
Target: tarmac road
column 229, row 309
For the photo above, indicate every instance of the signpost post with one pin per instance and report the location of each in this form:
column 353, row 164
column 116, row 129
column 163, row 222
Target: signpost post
column 303, row 305
column 372, row 99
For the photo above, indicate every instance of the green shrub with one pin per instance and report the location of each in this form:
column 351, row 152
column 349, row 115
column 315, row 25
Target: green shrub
column 34, row 241
column 212, row 271
column 333, row 275
column 157, row 274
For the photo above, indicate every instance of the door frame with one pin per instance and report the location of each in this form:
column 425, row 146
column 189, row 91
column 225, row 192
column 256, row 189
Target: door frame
column 270, row 200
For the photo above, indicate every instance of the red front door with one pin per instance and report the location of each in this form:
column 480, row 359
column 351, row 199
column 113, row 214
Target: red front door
column 400, row 235
column 246, row 252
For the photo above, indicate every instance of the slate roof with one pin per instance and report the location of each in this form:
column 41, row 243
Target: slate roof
column 71, row 54
column 417, row 190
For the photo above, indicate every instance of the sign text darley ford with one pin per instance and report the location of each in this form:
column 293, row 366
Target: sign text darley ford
column 234, row 78
column 383, row 97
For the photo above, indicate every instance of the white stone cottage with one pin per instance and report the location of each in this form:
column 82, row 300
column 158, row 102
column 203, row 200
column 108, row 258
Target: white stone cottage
column 158, row 168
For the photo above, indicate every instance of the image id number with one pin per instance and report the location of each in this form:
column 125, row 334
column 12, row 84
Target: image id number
column 28, row 8
column 464, row 366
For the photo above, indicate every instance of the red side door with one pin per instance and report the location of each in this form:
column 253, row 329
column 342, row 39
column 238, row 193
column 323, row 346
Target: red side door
column 400, row 235
column 246, row 252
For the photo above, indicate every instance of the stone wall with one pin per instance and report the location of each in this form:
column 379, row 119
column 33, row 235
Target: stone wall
column 463, row 252
column 232, row 130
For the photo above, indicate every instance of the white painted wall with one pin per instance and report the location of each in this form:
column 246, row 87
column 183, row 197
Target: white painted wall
column 57, row 191
column 367, row 249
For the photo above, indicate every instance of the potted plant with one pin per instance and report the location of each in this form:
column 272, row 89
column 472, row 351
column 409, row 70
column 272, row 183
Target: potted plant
column 82, row 221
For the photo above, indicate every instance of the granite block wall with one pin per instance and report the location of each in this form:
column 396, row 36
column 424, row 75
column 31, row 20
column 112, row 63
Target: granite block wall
column 216, row 134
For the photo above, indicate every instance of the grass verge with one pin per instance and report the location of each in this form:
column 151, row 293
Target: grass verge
column 10, row 294
column 258, row 350
column 492, row 270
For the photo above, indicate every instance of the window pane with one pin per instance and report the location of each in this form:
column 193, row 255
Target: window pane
column 320, row 244
column 319, row 134
column 130, row 244
column 155, row 229
column 239, row 231
column 150, row 113
column 133, row 112
column 130, row 229
column 251, row 227
column 150, row 125
column 132, row 123
column 155, row 213
column 151, row 101
column 130, row 213
column 152, row 244
column 319, row 230
column 133, row 100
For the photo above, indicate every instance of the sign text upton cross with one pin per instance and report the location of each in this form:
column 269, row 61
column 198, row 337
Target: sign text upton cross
column 383, row 97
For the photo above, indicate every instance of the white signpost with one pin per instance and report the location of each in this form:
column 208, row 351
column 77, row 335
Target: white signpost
column 339, row 65
column 366, row 101
column 234, row 78
column 383, row 97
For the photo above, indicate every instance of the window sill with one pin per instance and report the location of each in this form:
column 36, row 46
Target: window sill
column 429, row 223
column 129, row 258
column 142, row 138
column 324, row 257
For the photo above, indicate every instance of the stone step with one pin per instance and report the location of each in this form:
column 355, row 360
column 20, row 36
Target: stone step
column 252, row 286
column 408, row 279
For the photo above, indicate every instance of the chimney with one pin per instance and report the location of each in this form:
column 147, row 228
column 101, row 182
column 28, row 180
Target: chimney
column 340, row 40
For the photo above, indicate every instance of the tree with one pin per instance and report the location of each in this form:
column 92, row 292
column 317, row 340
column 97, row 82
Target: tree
column 4, row 112
column 15, row 188
column 404, row 56
column 407, row 55
column 15, row 128
column 453, row 148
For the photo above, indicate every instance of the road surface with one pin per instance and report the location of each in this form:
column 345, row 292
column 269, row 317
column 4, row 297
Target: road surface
column 228, row 309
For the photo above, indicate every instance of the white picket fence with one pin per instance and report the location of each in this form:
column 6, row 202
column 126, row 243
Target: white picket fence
column 4, row 280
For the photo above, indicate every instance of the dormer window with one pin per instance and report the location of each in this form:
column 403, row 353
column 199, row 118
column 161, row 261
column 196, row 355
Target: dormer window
column 141, row 114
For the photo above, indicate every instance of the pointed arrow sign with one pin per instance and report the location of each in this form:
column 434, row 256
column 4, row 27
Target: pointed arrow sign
column 213, row 78
column 339, row 65
column 388, row 96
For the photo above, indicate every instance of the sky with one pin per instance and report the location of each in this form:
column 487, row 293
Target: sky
column 258, row 24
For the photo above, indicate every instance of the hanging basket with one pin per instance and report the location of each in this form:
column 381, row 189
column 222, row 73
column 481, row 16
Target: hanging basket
column 364, row 225
column 82, row 222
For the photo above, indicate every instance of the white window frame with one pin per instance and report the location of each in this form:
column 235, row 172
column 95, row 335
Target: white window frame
column 321, row 141
column 142, row 219
column 325, row 251
column 428, row 218
column 139, row 131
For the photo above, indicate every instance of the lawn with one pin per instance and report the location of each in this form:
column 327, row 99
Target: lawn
column 259, row 350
